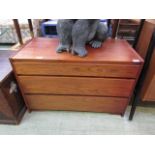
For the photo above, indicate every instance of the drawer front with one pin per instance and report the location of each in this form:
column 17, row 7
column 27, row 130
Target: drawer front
column 76, row 85
column 76, row 69
column 77, row 103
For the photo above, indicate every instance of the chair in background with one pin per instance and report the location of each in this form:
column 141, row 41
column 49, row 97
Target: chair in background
column 18, row 31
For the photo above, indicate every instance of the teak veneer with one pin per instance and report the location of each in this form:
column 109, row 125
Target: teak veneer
column 103, row 81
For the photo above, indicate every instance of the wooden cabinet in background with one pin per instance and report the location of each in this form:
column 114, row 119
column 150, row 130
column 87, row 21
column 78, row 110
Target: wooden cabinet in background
column 103, row 81
column 12, row 106
column 147, row 92
column 145, row 89
column 145, row 37
column 148, row 89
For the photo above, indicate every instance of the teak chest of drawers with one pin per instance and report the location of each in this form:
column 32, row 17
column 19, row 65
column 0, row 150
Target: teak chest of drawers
column 101, row 82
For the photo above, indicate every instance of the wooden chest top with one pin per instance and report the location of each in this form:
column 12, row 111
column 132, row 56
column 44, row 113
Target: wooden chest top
column 112, row 51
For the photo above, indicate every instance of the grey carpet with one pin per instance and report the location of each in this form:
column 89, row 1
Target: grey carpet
column 83, row 123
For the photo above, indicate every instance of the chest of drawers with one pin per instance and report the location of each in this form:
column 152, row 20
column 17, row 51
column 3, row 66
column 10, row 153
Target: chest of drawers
column 101, row 82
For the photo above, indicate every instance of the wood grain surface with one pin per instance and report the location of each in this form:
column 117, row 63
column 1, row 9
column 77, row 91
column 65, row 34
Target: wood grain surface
column 76, row 85
column 77, row 103
column 103, row 81
column 148, row 89
column 112, row 51
column 76, row 69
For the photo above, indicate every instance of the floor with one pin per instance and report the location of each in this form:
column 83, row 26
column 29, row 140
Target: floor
column 83, row 123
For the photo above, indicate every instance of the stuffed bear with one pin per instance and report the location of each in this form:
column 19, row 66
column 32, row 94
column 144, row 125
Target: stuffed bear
column 74, row 34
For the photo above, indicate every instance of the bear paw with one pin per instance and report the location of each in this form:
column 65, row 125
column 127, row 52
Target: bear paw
column 81, row 52
column 62, row 48
column 95, row 44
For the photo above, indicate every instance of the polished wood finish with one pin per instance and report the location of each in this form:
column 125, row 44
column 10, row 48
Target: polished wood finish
column 78, row 103
column 75, row 69
column 76, row 85
column 112, row 51
column 12, row 106
column 148, row 89
column 52, row 81
column 145, row 37
column 5, row 67
column 147, row 92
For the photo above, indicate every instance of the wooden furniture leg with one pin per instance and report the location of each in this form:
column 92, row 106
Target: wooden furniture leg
column 31, row 28
column 115, row 28
column 17, row 27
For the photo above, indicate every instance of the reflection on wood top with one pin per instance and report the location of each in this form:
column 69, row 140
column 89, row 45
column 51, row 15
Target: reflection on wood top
column 5, row 66
column 151, row 21
column 112, row 51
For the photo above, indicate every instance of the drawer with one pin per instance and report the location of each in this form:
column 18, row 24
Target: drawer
column 76, row 69
column 77, row 103
column 76, row 85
